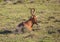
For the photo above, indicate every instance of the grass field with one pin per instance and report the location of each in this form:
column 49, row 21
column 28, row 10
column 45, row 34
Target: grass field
column 48, row 15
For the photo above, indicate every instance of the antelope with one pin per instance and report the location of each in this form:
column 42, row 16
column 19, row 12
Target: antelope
column 29, row 23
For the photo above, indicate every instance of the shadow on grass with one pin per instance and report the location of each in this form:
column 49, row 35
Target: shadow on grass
column 5, row 32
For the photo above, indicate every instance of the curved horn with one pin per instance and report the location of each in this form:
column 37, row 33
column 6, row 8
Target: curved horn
column 32, row 11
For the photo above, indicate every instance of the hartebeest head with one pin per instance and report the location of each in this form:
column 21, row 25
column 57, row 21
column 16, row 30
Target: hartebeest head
column 34, row 17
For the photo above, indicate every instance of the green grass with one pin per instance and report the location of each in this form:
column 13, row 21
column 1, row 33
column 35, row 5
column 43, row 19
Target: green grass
column 11, row 15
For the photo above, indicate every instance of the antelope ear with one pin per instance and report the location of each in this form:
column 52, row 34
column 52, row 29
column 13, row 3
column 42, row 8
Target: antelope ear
column 36, row 16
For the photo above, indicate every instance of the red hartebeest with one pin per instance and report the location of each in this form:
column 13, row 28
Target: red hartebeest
column 29, row 23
